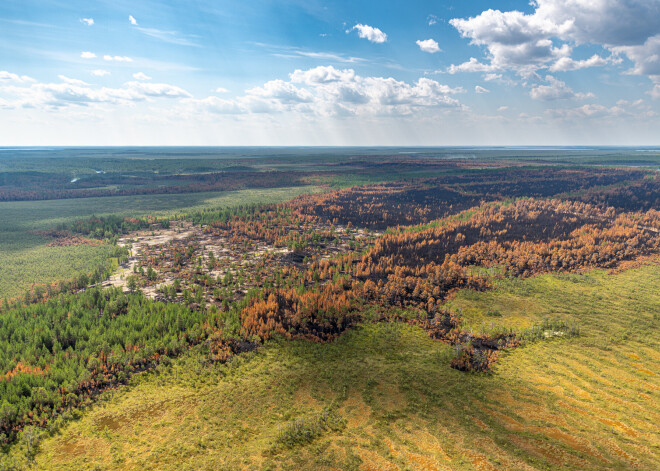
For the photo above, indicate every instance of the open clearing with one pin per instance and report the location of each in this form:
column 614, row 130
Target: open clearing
column 25, row 259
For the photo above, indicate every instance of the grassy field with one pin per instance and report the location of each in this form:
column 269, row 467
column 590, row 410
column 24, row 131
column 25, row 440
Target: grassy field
column 25, row 259
column 383, row 396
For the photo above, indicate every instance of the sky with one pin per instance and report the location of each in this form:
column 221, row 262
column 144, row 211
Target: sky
column 332, row 73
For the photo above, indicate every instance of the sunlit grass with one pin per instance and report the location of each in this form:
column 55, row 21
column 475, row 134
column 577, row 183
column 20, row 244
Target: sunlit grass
column 586, row 402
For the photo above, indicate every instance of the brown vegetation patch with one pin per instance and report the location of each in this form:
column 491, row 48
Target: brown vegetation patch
column 620, row 427
column 66, row 239
column 572, row 442
column 481, row 424
column 356, row 411
column 613, row 447
column 480, row 461
column 544, row 451
column 371, row 461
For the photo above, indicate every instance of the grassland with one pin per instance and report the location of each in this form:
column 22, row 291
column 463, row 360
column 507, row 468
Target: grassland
column 383, row 396
column 26, row 260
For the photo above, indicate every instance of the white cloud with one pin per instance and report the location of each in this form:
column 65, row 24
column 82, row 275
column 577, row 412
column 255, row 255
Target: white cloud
column 428, row 45
column 322, row 74
column 646, row 56
column 71, row 81
column 100, row 72
column 73, row 92
column 9, row 77
column 546, row 37
column 502, row 108
column 117, row 58
column 566, row 63
column 655, row 92
column 87, row 55
column 132, row 20
column 490, row 77
column 623, row 111
column 326, row 91
column 281, row 92
column 556, row 90
column 370, row 33
column 586, row 111
column 87, row 21
column 473, row 65
column 432, row 19
column 480, row 89
column 141, row 76
column 156, row 90
column 221, row 90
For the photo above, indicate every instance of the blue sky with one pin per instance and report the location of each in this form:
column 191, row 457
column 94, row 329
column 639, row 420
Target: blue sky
column 294, row 72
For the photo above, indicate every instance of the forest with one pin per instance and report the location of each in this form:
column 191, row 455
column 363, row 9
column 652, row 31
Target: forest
column 229, row 280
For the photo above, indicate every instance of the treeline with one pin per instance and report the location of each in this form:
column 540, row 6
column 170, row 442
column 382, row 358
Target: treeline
column 170, row 184
column 107, row 227
column 420, row 267
column 385, row 205
column 60, row 353
column 637, row 196
column 420, row 201
column 276, row 225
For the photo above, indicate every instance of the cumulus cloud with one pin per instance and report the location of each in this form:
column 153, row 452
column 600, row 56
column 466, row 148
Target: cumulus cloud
column 322, row 74
column 108, row 57
column 87, row 21
column 490, row 77
column 327, row 91
column 281, row 92
column 322, row 91
column 566, row 63
column 473, row 65
column 132, row 20
column 432, row 19
column 156, row 90
column 370, row 33
column 141, row 76
column 502, row 108
column 73, row 92
column 555, row 90
column 646, row 56
column 221, row 90
column 100, row 72
column 87, row 55
column 546, row 37
column 10, row 77
column 480, row 89
column 428, row 45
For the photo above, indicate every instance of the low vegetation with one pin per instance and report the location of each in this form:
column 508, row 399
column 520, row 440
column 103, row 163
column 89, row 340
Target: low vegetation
column 439, row 322
column 585, row 402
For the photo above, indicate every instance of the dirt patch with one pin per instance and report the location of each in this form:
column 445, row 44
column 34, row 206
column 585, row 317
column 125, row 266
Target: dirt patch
column 115, row 422
column 66, row 239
